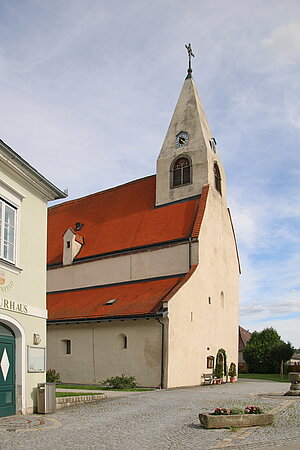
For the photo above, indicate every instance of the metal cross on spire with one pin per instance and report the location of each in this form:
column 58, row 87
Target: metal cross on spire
column 191, row 54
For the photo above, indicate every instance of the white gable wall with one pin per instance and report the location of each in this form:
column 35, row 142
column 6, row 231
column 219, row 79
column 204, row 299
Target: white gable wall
column 198, row 329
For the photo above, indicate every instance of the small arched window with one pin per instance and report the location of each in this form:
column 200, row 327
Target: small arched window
column 217, row 178
column 181, row 172
column 66, row 346
column 222, row 299
column 122, row 338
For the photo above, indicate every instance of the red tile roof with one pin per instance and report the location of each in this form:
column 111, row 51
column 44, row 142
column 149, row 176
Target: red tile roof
column 244, row 336
column 121, row 218
column 136, row 298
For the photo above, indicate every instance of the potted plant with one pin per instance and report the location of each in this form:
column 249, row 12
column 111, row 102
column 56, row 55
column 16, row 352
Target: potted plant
column 219, row 371
column 232, row 372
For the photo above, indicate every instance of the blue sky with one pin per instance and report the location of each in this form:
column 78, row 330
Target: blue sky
column 88, row 88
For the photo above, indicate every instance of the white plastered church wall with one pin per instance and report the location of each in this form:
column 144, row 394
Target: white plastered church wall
column 197, row 328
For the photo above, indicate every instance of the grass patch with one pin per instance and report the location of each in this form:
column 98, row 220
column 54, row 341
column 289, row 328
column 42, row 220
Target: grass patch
column 74, row 394
column 265, row 376
column 99, row 388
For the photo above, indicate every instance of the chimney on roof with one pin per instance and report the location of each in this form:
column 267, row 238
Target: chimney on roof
column 72, row 244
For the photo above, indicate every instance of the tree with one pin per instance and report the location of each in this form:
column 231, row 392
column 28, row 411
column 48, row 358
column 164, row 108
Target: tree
column 281, row 353
column 257, row 351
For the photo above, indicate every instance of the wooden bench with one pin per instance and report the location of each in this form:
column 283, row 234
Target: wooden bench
column 208, row 378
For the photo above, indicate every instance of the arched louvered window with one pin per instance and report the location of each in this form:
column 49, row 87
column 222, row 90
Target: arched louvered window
column 217, row 174
column 181, row 172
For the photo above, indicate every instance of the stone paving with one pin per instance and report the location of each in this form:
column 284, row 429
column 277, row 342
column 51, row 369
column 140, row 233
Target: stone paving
column 166, row 419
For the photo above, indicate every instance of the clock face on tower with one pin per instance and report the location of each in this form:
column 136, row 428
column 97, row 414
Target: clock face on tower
column 182, row 139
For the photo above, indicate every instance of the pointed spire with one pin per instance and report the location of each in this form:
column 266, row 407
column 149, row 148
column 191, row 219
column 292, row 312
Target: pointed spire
column 188, row 136
column 191, row 54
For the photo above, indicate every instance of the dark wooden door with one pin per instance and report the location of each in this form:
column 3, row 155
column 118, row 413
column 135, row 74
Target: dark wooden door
column 7, row 372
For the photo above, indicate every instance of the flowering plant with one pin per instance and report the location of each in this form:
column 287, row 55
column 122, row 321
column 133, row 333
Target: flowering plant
column 253, row 410
column 221, row 411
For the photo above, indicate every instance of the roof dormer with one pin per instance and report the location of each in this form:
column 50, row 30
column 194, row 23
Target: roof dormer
column 72, row 243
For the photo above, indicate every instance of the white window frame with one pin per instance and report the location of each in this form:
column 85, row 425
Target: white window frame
column 4, row 206
column 13, row 197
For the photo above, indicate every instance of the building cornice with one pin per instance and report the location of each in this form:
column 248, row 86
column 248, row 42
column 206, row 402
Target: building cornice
column 159, row 314
column 25, row 171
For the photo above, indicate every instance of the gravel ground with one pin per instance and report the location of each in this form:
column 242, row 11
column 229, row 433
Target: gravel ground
column 166, row 419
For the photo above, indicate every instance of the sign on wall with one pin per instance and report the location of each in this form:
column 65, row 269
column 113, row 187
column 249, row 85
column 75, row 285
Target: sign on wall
column 36, row 359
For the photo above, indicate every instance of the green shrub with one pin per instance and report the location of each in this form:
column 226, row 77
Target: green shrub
column 235, row 411
column 219, row 369
column 221, row 363
column 121, row 382
column 232, row 370
column 52, row 376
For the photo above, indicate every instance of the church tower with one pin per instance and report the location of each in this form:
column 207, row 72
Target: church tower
column 188, row 159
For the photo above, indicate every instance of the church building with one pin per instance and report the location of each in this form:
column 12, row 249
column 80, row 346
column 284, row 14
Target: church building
column 143, row 277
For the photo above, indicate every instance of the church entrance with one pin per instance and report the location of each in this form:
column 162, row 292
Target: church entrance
column 7, row 371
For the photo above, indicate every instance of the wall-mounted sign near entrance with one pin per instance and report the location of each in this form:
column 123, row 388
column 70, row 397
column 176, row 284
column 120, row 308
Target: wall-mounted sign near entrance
column 36, row 359
column 5, row 285
column 11, row 305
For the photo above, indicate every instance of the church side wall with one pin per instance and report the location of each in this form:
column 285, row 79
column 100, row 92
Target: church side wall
column 145, row 264
column 97, row 351
column 201, row 319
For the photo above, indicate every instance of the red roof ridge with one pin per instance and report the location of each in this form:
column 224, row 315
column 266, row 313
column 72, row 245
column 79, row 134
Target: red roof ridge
column 79, row 239
column 95, row 194
column 201, row 210
column 244, row 334
column 183, row 280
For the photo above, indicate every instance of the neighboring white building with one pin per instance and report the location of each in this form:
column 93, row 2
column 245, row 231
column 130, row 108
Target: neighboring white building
column 143, row 277
column 24, row 194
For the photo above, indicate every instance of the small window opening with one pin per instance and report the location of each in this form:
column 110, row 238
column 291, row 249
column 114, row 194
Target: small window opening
column 222, row 299
column 217, row 178
column 209, row 300
column 123, row 341
column 191, row 316
column 68, row 244
column 66, row 346
column 181, row 172
column 111, row 302
column 213, row 144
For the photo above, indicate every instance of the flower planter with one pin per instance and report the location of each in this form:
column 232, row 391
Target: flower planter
column 218, row 381
column 232, row 379
column 235, row 420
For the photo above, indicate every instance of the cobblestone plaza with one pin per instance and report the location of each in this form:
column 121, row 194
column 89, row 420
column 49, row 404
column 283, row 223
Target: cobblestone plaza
column 166, row 419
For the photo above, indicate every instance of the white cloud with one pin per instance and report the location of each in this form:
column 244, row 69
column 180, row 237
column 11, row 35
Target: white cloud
column 284, row 43
column 286, row 308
